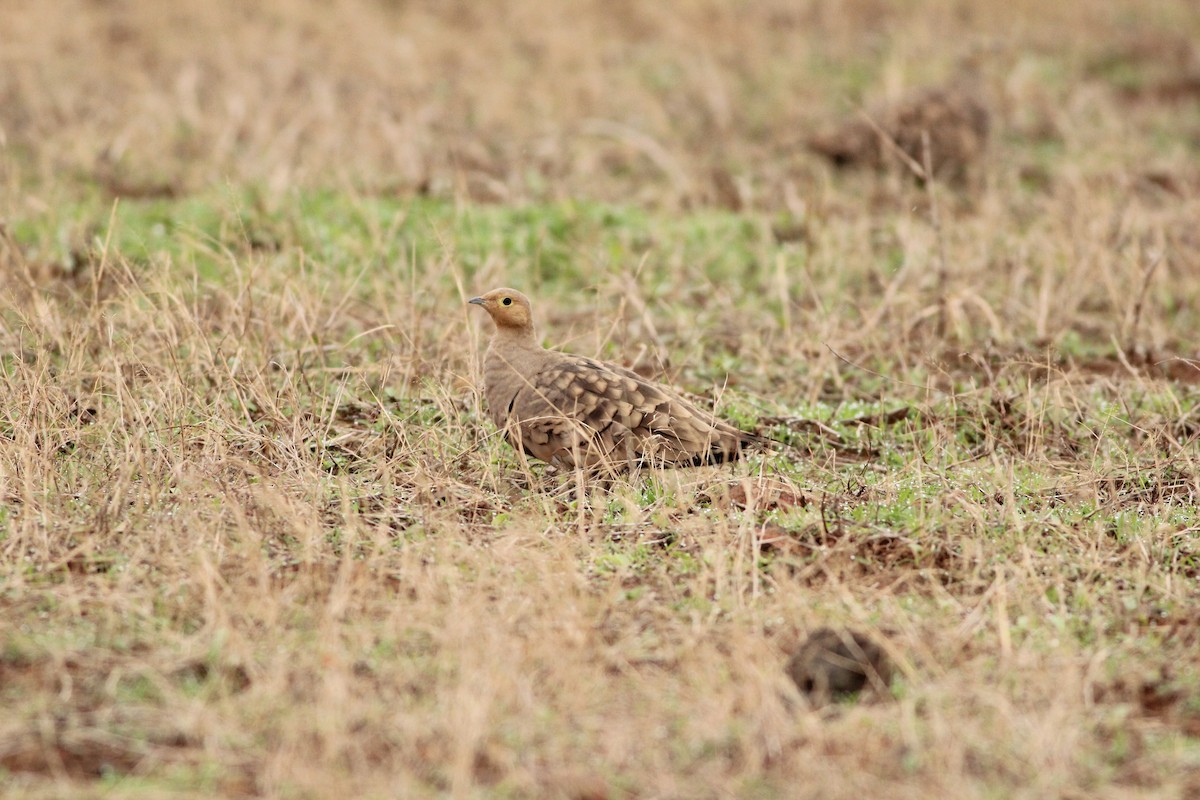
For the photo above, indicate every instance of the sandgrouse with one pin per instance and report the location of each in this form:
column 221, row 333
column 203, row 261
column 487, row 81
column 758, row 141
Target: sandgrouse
column 573, row 411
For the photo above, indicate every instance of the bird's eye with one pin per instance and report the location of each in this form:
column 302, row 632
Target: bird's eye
column 506, row 301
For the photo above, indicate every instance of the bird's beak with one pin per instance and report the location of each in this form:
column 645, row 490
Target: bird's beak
column 476, row 301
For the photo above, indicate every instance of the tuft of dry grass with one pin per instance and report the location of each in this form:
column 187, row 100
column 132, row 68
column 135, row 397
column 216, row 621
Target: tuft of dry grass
column 257, row 539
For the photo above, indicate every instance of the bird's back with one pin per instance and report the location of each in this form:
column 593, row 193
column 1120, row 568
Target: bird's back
column 575, row 411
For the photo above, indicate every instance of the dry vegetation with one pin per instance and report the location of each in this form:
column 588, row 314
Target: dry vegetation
column 256, row 538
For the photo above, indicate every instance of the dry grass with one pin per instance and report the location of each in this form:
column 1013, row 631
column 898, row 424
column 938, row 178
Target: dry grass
column 256, row 538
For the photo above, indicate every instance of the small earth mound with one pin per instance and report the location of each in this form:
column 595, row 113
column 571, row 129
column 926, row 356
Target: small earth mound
column 835, row 665
column 955, row 119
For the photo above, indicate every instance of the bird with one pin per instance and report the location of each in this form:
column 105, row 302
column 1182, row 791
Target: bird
column 577, row 412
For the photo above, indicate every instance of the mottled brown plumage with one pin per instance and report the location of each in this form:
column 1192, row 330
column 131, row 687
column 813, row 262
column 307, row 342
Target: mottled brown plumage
column 572, row 411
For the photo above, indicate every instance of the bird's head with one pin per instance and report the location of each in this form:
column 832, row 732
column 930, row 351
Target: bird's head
column 508, row 308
